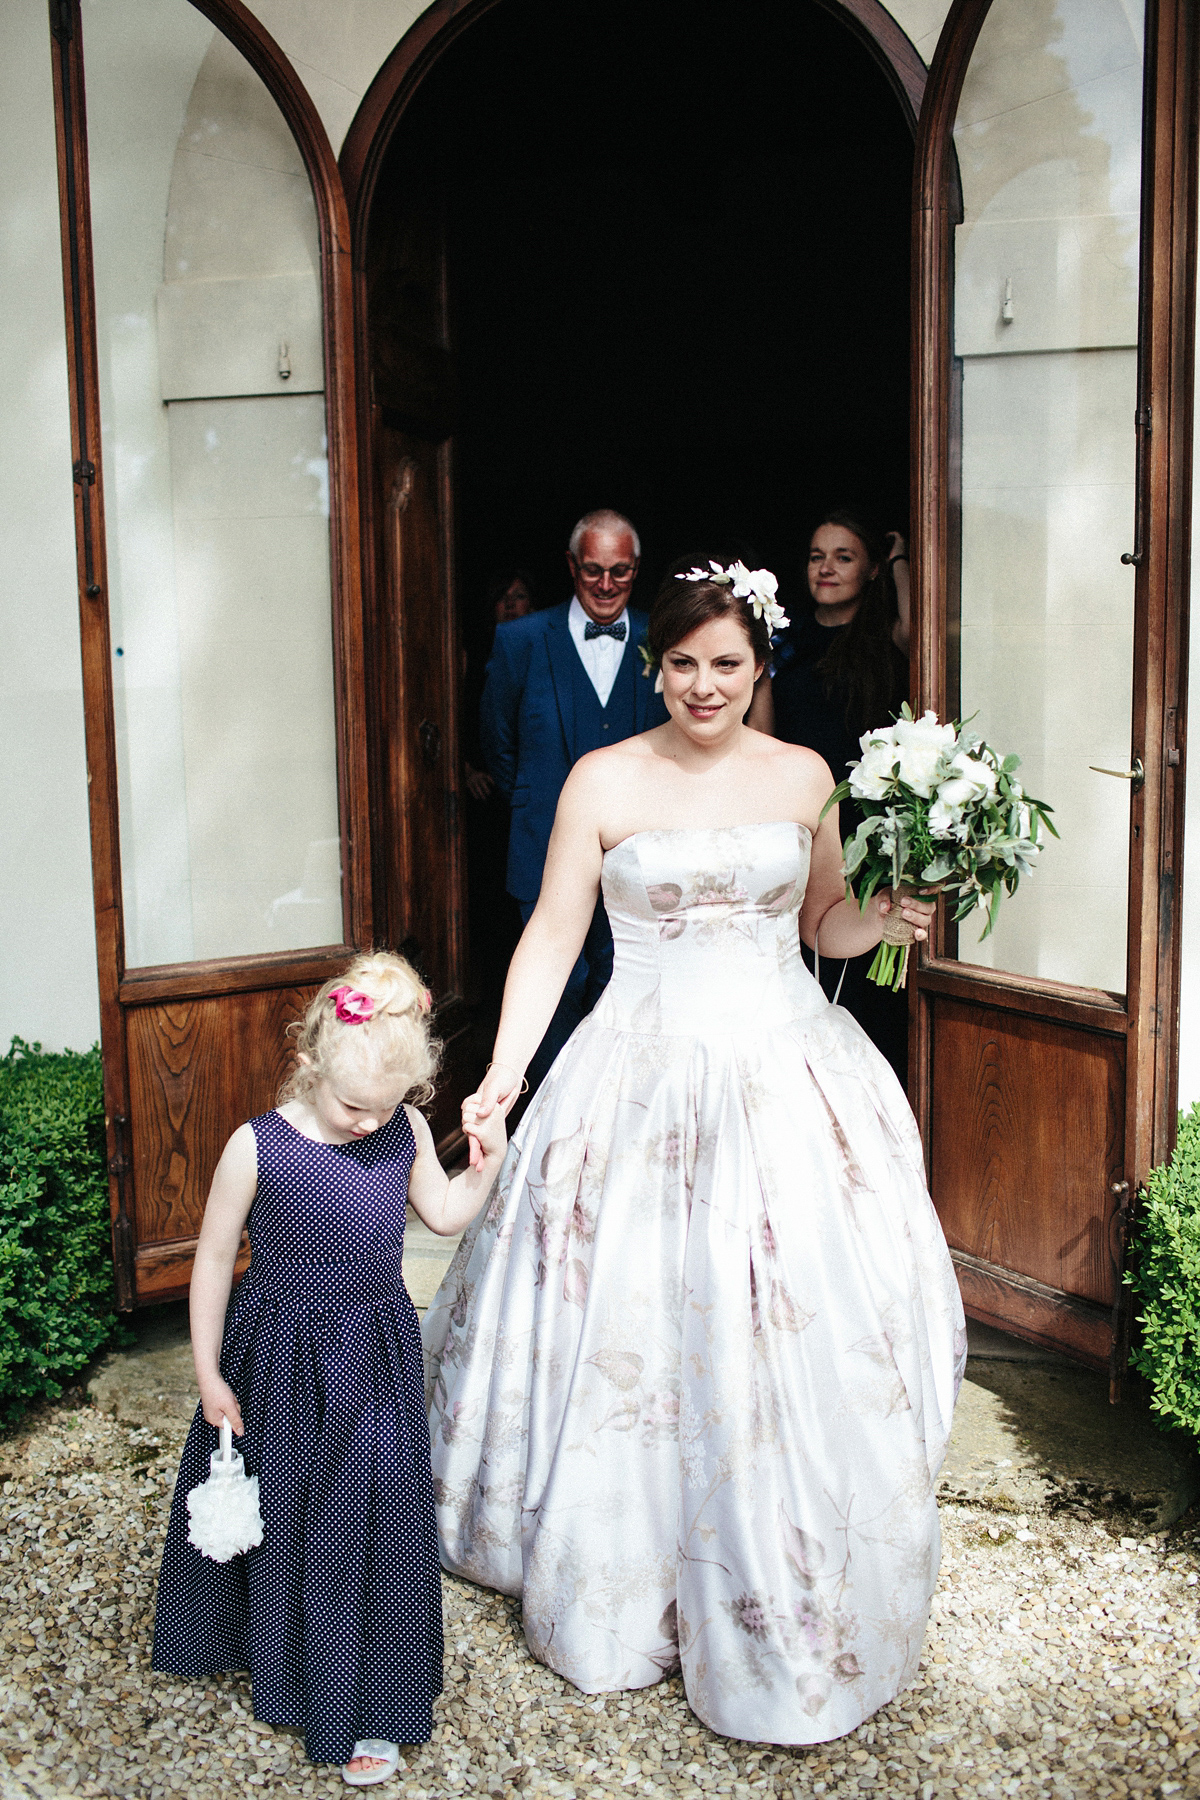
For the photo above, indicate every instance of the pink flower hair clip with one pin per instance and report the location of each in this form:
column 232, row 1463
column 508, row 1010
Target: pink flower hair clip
column 425, row 1003
column 352, row 1007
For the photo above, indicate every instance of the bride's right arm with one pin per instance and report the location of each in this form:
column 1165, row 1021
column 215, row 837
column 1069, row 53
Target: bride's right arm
column 553, row 938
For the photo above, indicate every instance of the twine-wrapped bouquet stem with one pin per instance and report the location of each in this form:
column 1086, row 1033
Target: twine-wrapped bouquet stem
column 890, row 965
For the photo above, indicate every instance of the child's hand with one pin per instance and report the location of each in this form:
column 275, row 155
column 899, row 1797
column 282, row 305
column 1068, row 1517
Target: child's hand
column 484, row 1127
column 219, row 1401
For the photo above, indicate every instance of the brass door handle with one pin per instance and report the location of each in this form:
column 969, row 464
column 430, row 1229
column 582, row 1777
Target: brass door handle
column 1137, row 775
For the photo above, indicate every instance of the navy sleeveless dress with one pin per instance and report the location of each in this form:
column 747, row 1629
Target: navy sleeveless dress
column 338, row 1612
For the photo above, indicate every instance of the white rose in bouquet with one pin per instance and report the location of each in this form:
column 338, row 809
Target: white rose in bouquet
column 874, row 773
column 946, row 813
column 923, row 745
column 975, row 770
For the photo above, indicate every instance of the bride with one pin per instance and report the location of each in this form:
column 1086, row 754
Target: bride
column 691, row 1374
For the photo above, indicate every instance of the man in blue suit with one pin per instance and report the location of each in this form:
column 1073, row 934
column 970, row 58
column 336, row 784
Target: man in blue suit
column 561, row 683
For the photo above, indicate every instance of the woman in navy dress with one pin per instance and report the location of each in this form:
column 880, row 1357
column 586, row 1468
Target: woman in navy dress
column 337, row 1613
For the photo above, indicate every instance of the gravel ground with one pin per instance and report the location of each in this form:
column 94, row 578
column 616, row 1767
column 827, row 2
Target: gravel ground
column 1063, row 1659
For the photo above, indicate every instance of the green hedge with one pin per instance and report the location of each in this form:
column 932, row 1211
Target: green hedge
column 56, row 1282
column 1165, row 1275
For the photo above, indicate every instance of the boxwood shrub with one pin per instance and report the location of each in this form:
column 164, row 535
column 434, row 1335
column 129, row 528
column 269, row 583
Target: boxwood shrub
column 1164, row 1273
column 56, row 1281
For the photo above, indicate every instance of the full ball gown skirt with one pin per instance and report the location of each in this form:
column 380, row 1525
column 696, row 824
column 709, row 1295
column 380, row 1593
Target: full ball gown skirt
column 691, row 1374
column 338, row 1612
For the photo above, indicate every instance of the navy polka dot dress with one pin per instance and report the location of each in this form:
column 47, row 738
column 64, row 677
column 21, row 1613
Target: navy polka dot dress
column 338, row 1612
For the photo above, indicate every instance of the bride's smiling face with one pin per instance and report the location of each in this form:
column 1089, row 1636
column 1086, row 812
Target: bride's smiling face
column 708, row 678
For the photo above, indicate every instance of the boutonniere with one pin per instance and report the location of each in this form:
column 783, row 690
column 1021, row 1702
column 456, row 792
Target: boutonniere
column 649, row 665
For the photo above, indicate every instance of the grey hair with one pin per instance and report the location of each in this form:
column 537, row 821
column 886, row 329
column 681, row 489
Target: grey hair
column 603, row 519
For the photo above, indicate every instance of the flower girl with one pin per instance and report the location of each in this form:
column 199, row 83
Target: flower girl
column 337, row 1613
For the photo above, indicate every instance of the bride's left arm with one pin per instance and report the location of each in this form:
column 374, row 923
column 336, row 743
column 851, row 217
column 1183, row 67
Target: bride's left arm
column 844, row 930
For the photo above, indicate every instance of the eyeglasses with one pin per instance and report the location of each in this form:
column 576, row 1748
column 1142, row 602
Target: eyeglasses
column 620, row 571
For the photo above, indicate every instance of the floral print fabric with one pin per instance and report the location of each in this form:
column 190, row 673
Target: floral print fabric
column 691, row 1373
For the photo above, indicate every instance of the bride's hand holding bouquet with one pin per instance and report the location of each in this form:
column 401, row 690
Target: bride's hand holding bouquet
column 944, row 813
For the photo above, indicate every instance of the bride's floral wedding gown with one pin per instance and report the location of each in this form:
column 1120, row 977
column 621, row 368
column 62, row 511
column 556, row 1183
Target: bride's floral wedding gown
column 691, row 1374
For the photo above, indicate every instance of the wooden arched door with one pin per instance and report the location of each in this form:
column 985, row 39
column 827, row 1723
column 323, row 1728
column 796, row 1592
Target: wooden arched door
column 207, row 287
column 1052, row 441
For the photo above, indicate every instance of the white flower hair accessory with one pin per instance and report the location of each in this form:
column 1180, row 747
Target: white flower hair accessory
column 757, row 587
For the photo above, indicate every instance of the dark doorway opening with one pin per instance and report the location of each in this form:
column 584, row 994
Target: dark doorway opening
column 674, row 248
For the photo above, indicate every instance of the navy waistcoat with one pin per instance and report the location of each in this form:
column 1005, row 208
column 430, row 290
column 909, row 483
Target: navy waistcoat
column 597, row 725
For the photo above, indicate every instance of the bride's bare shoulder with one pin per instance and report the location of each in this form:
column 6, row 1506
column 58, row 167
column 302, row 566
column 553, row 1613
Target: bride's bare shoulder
column 599, row 766
column 594, row 774
column 788, row 761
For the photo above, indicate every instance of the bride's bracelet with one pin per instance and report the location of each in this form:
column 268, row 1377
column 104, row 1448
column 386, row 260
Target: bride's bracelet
column 524, row 1089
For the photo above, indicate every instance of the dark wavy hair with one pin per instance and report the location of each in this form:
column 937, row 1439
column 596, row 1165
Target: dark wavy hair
column 681, row 606
column 859, row 668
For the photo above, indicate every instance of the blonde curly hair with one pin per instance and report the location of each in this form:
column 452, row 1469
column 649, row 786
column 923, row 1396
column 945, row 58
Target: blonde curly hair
column 397, row 1032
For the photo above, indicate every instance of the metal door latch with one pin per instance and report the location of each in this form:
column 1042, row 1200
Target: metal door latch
column 1136, row 775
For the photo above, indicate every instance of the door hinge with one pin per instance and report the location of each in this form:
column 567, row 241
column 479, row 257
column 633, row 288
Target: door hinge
column 83, row 471
column 1135, row 557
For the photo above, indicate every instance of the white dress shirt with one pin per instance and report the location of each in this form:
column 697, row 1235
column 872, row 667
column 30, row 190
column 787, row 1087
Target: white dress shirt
column 600, row 656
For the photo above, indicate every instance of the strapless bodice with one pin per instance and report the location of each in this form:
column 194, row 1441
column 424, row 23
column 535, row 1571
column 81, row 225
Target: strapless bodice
column 705, row 926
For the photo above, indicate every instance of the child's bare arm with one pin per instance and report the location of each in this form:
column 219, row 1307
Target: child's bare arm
column 230, row 1198
column 446, row 1205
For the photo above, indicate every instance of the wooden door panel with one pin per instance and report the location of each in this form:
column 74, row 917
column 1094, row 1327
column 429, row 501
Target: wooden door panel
column 1029, row 1309
column 419, row 837
column 1028, row 1139
column 422, row 846
column 198, row 1068
column 407, row 434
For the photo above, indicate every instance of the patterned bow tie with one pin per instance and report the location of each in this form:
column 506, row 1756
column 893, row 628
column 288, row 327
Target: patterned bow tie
column 592, row 630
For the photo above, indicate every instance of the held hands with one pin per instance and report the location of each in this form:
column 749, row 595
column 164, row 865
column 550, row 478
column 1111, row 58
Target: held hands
column 918, row 912
column 219, row 1402
column 484, row 1112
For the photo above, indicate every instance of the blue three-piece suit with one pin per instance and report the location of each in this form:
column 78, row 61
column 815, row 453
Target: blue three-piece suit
column 540, row 714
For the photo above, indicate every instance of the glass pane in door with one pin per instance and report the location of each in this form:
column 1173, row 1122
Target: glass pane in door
column 1048, row 138
column 208, row 301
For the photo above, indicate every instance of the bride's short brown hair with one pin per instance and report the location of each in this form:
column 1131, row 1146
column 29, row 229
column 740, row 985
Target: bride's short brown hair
column 681, row 606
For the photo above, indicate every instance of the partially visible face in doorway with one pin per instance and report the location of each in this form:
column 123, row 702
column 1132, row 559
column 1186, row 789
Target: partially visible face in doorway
column 514, row 603
column 839, row 568
column 604, row 572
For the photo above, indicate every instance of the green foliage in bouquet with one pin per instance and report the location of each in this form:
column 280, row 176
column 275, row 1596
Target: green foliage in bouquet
column 1164, row 1273
column 56, row 1279
column 942, row 810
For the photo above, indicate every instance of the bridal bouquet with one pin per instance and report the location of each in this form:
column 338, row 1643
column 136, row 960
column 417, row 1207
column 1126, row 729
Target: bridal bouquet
column 943, row 811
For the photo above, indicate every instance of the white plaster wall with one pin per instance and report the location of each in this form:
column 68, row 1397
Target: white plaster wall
column 338, row 49
column 131, row 154
column 250, row 507
column 204, row 224
column 47, row 940
column 1048, row 138
column 1047, row 631
column 922, row 20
